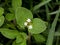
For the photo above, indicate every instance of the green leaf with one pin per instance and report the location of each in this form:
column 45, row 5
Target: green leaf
column 21, row 37
column 22, row 14
column 16, row 4
column 10, row 16
column 1, row 20
column 23, row 43
column 11, row 34
column 38, row 26
column 11, row 10
column 1, row 11
column 9, row 25
column 39, row 38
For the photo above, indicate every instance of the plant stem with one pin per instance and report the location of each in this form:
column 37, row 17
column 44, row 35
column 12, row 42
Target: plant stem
column 47, row 13
column 29, row 39
column 52, row 31
column 52, row 13
column 40, row 5
column 57, row 41
column 31, row 4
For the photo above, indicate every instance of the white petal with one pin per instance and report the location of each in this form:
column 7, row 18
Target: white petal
column 30, row 27
column 25, row 23
column 28, row 20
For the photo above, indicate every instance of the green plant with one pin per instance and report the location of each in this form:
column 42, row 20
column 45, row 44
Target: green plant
column 28, row 24
column 24, row 19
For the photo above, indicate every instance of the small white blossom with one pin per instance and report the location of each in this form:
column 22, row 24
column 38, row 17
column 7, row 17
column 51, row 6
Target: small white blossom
column 25, row 23
column 28, row 20
column 30, row 27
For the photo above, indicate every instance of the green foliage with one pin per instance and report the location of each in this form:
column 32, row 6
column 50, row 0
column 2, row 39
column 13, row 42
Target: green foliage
column 10, row 17
column 22, row 14
column 39, row 38
column 41, row 4
column 1, row 16
column 1, row 11
column 29, row 22
column 52, row 30
column 21, row 37
column 9, row 25
column 11, row 34
column 1, row 20
column 38, row 26
column 23, row 43
column 11, row 10
column 16, row 3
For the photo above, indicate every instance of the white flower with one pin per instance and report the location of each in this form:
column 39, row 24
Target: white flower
column 25, row 23
column 28, row 20
column 30, row 27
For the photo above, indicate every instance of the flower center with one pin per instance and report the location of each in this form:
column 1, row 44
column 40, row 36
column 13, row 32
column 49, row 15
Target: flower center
column 28, row 24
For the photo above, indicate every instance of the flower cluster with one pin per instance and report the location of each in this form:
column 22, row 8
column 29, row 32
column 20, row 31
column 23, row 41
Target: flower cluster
column 28, row 24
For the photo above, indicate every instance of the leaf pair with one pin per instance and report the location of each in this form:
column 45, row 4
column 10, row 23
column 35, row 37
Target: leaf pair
column 22, row 14
column 21, row 39
column 12, row 34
